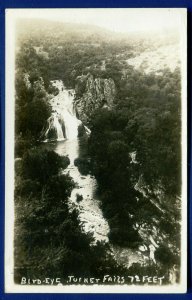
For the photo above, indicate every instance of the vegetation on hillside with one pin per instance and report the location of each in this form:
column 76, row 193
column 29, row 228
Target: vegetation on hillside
column 144, row 189
column 134, row 148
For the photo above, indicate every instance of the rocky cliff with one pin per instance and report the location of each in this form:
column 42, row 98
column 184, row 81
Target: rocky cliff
column 91, row 94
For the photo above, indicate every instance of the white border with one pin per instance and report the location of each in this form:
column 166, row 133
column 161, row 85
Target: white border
column 10, row 286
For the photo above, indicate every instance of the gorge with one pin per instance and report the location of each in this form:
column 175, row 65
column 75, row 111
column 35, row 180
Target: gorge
column 61, row 135
column 68, row 144
column 102, row 130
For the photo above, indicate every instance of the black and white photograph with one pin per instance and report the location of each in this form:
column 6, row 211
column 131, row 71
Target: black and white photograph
column 96, row 150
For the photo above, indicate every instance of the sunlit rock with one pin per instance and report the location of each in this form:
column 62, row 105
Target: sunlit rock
column 91, row 94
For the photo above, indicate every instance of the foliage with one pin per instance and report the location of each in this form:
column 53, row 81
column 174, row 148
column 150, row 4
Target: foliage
column 49, row 239
column 22, row 145
column 42, row 165
column 79, row 197
column 145, row 121
column 83, row 165
column 32, row 108
column 164, row 255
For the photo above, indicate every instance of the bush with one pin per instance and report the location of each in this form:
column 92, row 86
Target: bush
column 21, row 146
column 83, row 165
column 79, row 197
column 28, row 187
column 164, row 255
column 41, row 164
column 127, row 237
column 59, row 187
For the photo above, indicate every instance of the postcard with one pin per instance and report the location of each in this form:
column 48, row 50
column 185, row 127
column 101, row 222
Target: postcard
column 96, row 151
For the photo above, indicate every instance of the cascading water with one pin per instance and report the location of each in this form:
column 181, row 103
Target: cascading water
column 63, row 123
column 59, row 129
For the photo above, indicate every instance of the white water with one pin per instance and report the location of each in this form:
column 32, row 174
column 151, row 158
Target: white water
column 63, row 112
column 63, row 104
column 53, row 122
column 90, row 214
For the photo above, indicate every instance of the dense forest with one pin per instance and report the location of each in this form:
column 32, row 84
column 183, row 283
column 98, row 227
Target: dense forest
column 134, row 152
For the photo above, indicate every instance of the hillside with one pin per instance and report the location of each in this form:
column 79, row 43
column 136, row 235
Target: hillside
column 157, row 60
column 126, row 89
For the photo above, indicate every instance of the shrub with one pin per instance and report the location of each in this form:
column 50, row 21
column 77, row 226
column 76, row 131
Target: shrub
column 165, row 256
column 59, row 187
column 41, row 164
column 79, row 197
column 21, row 146
column 83, row 165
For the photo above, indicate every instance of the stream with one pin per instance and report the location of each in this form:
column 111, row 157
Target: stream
column 68, row 144
column 90, row 214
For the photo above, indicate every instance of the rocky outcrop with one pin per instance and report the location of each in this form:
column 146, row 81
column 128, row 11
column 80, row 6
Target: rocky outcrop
column 91, row 94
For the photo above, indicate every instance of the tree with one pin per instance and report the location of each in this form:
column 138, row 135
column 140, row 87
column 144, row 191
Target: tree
column 164, row 255
column 41, row 165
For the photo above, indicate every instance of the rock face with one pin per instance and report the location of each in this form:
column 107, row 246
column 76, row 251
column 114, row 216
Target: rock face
column 91, row 94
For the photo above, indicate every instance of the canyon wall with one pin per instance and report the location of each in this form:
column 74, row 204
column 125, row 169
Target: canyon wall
column 91, row 94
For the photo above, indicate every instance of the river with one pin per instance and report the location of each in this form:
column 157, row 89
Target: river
column 90, row 213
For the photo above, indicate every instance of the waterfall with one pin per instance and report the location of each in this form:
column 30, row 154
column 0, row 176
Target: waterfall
column 63, row 123
column 53, row 129
column 60, row 136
